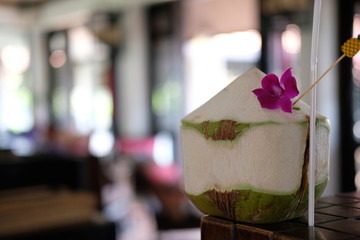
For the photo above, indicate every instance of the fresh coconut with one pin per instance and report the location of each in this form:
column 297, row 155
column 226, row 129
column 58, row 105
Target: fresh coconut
column 250, row 164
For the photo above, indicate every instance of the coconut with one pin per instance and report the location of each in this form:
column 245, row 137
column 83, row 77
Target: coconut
column 245, row 163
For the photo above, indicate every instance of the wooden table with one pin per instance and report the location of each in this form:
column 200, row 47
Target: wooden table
column 336, row 217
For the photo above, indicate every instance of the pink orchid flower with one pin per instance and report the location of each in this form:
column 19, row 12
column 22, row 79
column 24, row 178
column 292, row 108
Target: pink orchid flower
column 275, row 93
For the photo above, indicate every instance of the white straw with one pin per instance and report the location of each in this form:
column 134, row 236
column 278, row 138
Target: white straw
column 313, row 76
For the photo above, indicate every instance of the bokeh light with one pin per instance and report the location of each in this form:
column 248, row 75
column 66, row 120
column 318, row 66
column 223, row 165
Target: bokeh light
column 291, row 39
column 57, row 58
column 16, row 59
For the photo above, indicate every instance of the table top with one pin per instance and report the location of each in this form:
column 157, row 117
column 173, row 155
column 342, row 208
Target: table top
column 336, row 217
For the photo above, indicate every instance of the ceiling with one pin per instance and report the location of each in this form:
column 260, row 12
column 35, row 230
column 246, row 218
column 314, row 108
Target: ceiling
column 23, row 3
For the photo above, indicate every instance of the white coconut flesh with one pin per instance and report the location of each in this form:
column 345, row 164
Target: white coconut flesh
column 268, row 156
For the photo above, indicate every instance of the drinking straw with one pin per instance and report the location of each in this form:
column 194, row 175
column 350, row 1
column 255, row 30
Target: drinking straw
column 313, row 75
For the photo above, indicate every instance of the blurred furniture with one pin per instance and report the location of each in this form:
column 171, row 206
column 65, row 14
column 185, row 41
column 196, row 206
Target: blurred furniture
column 43, row 213
column 51, row 196
column 336, row 217
column 52, row 170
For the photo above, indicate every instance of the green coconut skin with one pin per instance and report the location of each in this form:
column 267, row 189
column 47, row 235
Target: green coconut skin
column 252, row 206
column 241, row 127
column 257, row 207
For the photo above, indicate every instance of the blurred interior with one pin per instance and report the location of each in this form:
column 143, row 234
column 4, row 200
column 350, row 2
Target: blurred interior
column 92, row 92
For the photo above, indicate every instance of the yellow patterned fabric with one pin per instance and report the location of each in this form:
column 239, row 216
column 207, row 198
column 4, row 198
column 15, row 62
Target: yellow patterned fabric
column 351, row 47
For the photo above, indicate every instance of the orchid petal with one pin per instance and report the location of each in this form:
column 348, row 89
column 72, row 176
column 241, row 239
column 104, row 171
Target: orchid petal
column 268, row 101
column 291, row 89
column 286, row 74
column 260, row 92
column 275, row 93
column 271, row 83
column 288, row 82
column 285, row 104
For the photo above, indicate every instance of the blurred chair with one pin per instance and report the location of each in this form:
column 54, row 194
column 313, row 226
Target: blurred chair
column 51, row 197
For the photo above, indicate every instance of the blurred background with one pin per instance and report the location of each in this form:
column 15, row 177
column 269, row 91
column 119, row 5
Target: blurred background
column 92, row 93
